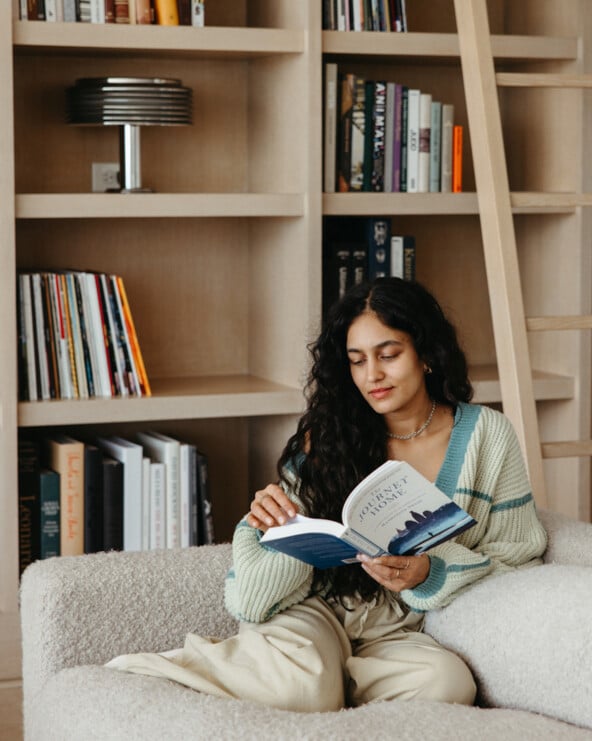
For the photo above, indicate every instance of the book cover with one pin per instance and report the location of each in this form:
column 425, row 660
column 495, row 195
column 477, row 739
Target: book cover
column 435, row 146
column 49, row 513
column 66, row 457
column 93, row 499
column 330, row 132
column 113, row 504
column 425, row 129
column 457, row 158
column 413, row 141
column 28, row 502
column 395, row 510
column 130, row 454
column 165, row 449
column 446, row 153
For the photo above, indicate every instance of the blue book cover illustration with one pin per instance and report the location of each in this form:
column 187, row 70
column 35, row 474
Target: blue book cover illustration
column 395, row 510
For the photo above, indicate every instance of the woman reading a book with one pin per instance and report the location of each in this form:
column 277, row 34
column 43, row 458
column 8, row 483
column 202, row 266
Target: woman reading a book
column 388, row 381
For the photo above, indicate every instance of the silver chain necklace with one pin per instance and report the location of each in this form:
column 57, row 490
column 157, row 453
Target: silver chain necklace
column 417, row 432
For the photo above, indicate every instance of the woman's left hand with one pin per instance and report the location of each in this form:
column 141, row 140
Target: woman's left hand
column 397, row 572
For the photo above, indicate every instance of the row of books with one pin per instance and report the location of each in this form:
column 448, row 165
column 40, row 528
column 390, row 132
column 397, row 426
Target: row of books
column 112, row 493
column 161, row 12
column 356, row 249
column 77, row 337
column 364, row 15
column 387, row 137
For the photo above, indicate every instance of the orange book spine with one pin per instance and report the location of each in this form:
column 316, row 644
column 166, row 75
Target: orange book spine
column 67, row 458
column 457, row 143
column 167, row 13
column 133, row 337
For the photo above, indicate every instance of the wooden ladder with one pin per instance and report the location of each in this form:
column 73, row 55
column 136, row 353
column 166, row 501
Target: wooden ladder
column 510, row 325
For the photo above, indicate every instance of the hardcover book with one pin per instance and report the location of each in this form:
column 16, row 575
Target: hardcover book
column 395, row 510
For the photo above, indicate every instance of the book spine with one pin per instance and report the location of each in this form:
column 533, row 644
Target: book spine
column 115, row 370
column 425, row 124
column 457, row 159
column 131, row 369
column 144, row 14
column 69, row 11
column 184, row 496
column 50, row 335
column 378, row 134
column 359, row 122
column 389, row 137
column 435, row 146
column 49, row 511
column 146, row 503
column 43, row 363
column 330, row 134
column 122, row 14
column 112, row 515
column 109, row 11
column 84, row 333
column 28, row 503
column 51, row 11
column 446, row 154
column 166, row 12
column 157, row 507
column 409, row 257
column 207, row 535
column 404, row 126
column 198, row 13
column 60, row 338
column 67, row 458
column 370, row 86
column 93, row 499
column 336, row 266
column 345, row 132
column 193, row 497
column 134, row 342
column 65, row 311
column 413, row 141
column 29, row 336
column 97, row 11
column 397, row 256
column 79, row 361
column 379, row 246
column 184, row 10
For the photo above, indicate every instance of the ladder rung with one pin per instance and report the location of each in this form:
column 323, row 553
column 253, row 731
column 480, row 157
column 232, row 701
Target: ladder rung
column 567, row 449
column 551, row 323
column 541, row 79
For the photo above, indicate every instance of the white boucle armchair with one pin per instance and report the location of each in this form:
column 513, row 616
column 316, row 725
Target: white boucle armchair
column 527, row 637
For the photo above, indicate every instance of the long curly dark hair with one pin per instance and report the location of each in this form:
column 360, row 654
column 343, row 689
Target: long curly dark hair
column 344, row 438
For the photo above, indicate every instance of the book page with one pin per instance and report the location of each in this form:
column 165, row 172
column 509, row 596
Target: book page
column 402, row 512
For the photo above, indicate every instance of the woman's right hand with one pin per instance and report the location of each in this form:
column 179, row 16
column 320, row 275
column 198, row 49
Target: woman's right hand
column 270, row 506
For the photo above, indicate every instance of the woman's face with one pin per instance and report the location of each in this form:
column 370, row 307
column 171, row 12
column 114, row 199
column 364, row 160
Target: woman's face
column 385, row 366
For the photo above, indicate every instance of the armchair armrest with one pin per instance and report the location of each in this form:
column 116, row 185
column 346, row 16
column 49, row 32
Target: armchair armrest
column 570, row 541
column 527, row 634
column 88, row 609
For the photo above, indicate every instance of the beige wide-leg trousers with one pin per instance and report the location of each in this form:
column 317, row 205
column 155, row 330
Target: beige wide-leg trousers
column 317, row 657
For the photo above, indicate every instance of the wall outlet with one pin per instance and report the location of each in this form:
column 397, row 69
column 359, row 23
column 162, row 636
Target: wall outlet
column 105, row 176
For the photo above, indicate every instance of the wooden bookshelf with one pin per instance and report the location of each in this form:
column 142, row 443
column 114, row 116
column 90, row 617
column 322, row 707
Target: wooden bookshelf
column 222, row 262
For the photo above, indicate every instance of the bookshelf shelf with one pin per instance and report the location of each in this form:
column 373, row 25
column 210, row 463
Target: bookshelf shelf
column 212, row 397
column 441, row 204
column 152, row 205
column 547, row 386
column 417, row 46
column 93, row 39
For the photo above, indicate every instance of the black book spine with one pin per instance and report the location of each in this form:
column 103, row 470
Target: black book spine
column 112, row 505
column 93, row 499
column 28, row 503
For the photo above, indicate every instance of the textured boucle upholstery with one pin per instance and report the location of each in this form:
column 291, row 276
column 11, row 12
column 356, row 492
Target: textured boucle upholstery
column 527, row 637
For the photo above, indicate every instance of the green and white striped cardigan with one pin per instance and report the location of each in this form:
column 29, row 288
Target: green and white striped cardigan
column 483, row 472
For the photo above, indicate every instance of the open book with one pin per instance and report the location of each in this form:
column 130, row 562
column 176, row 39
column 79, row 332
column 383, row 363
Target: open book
column 394, row 510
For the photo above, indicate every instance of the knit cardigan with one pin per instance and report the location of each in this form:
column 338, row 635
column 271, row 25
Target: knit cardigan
column 483, row 472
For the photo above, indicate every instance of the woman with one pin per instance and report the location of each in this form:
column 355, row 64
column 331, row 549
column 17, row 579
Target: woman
column 388, row 380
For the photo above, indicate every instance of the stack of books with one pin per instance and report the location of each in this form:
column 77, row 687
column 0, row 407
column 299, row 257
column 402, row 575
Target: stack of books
column 387, row 137
column 113, row 493
column 161, row 12
column 77, row 338
column 364, row 15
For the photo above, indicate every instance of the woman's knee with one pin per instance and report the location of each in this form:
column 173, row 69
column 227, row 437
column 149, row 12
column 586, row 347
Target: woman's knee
column 447, row 679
